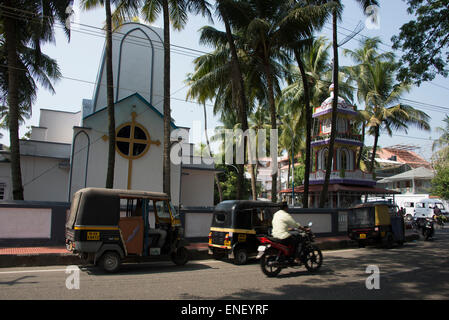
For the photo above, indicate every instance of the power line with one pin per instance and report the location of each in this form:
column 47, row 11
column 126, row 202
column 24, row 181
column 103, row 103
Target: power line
column 421, row 104
column 177, row 48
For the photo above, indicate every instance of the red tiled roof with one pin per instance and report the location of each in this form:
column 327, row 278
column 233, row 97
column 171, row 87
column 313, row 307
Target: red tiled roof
column 406, row 156
column 341, row 188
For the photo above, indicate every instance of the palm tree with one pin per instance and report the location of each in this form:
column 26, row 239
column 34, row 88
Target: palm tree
column 227, row 10
column 314, row 73
column 336, row 14
column 364, row 56
column 24, row 23
column 213, row 80
column 443, row 141
column 45, row 71
column 382, row 101
column 292, row 130
column 88, row 5
column 262, row 33
column 174, row 13
column 298, row 26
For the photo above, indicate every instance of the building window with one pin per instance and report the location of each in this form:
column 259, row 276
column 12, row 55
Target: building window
column 2, row 191
column 326, row 126
column 342, row 125
column 133, row 140
column 323, row 159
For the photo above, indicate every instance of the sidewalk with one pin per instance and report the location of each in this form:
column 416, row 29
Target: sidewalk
column 58, row 255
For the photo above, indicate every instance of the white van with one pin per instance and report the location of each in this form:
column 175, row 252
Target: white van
column 424, row 208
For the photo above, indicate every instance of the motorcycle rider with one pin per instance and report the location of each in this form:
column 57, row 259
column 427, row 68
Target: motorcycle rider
column 283, row 229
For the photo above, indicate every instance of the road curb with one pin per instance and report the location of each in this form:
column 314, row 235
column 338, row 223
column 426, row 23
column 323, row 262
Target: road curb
column 53, row 259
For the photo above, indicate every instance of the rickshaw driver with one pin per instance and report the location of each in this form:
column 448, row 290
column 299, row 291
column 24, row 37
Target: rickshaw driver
column 283, row 228
column 156, row 230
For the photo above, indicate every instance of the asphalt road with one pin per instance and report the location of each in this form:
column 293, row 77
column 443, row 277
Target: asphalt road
column 418, row 270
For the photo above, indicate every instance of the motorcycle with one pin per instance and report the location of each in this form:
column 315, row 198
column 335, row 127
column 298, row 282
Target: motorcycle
column 428, row 229
column 275, row 256
column 426, row 225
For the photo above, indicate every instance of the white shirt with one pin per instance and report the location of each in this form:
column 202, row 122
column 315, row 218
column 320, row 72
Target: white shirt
column 281, row 222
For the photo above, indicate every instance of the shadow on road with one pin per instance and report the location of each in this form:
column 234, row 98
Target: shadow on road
column 418, row 270
column 146, row 268
column 18, row 281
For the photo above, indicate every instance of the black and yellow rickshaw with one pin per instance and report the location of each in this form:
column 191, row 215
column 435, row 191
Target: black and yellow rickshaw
column 235, row 226
column 376, row 222
column 110, row 226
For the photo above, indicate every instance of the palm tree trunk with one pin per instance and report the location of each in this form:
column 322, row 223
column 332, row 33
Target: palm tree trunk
column 272, row 104
column 217, row 182
column 239, row 86
column 324, row 192
column 110, row 98
column 167, row 111
column 373, row 156
column 13, row 104
column 359, row 158
column 305, row 198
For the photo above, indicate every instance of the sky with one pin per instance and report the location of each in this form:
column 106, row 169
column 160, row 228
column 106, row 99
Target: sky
column 79, row 61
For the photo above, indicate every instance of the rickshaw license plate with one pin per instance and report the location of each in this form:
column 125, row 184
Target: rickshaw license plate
column 91, row 235
column 362, row 236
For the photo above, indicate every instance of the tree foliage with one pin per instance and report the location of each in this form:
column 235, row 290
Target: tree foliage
column 440, row 183
column 425, row 41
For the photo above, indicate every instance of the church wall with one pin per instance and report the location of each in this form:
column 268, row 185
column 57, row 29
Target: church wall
column 59, row 125
column 5, row 180
column 43, row 179
column 135, row 61
column 197, row 188
column 146, row 171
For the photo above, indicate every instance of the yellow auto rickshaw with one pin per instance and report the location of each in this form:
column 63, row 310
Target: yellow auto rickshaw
column 110, row 226
column 235, row 227
column 376, row 222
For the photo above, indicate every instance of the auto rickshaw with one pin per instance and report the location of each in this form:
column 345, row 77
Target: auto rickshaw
column 376, row 222
column 109, row 226
column 235, row 227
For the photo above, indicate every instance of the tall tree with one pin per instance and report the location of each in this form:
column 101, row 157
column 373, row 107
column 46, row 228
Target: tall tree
column 88, row 5
column 43, row 71
column 336, row 15
column 443, row 141
column 24, row 22
column 175, row 14
column 382, row 101
column 298, row 26
column 227, row 9
column 213, row 80
column 364, row 56
column 425, row 41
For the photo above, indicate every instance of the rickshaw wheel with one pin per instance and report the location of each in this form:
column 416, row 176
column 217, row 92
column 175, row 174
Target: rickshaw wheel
column 110, row 261
column 241, row 256
column 180, row 257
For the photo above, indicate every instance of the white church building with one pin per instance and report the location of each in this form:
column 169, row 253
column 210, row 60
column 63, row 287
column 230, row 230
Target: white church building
column 68, row 151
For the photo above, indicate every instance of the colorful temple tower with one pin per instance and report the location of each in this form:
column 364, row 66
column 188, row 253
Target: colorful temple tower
column 348, row 184
column 346, row 147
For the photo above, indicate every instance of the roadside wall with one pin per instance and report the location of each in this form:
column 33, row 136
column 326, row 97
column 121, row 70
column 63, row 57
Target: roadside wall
column 43, row 223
